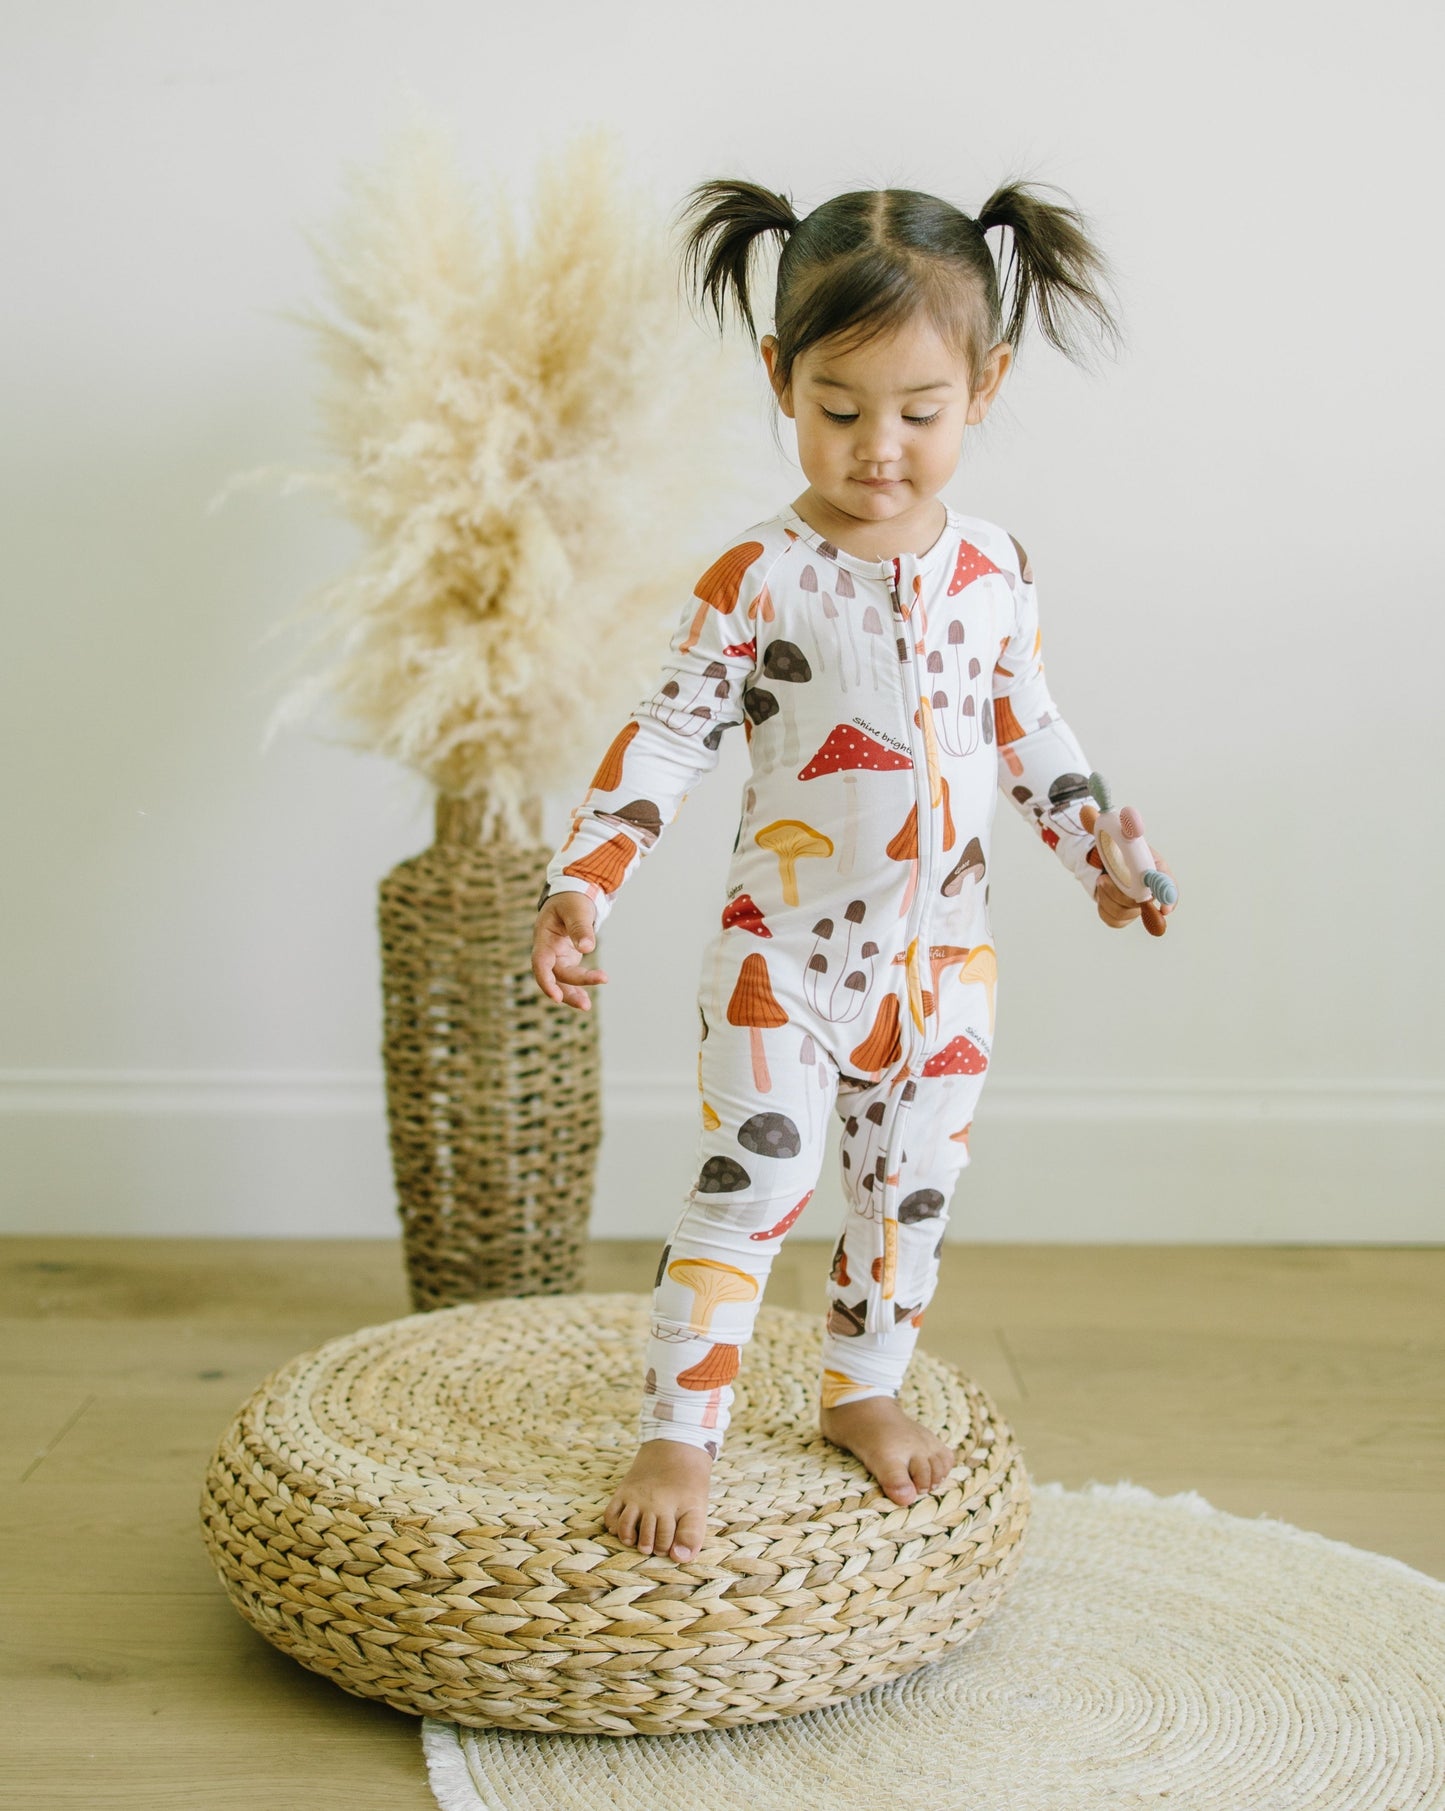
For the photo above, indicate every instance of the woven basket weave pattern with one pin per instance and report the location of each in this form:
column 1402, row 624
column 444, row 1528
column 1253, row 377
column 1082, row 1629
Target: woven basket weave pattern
column 415, row 1511
column 492, row 1091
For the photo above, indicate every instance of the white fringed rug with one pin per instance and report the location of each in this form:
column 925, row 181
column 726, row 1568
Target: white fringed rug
column 1152, row 1651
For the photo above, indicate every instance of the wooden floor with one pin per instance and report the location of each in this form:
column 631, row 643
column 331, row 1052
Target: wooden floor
column 1299, row 1382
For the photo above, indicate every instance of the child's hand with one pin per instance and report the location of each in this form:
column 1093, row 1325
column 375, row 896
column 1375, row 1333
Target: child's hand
column 1117, row 909
column 565, row 927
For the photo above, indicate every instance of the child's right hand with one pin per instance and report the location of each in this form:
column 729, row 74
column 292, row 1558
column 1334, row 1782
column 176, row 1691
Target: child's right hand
column 565, row 927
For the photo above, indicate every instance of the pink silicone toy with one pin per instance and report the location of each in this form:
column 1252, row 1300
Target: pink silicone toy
column 1128, row 860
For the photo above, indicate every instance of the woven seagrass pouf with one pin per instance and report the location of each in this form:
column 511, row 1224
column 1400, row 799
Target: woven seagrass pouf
column 415, row 1510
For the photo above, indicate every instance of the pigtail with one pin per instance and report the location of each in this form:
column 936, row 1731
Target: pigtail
column 732, row 215
column 1054, row 264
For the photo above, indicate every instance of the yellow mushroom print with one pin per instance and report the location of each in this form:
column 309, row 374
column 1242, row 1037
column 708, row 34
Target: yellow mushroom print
column 791, row 841
column 982, row 966
column 712, row 1284
column 838, row 1386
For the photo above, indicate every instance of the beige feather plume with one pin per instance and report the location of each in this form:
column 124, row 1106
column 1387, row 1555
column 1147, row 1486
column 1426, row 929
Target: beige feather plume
column 534, row 435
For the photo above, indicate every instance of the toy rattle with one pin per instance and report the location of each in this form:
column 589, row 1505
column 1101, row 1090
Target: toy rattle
column 1128, row 860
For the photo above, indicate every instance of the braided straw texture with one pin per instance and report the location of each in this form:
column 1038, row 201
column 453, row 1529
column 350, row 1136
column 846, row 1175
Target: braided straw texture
column 493, row 1094
column 415, row 1511
column 1155, row 1654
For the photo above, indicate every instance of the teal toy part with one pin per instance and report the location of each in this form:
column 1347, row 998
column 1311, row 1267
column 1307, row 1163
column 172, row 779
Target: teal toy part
column 1126, row 856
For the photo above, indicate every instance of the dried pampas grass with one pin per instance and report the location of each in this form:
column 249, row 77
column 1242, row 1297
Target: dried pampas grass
column 533, row 436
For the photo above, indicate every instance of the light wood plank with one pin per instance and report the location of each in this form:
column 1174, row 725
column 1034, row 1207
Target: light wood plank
column 1303, row 1383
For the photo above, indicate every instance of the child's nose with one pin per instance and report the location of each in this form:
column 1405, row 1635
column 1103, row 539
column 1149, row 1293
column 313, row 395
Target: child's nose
column 877, row 447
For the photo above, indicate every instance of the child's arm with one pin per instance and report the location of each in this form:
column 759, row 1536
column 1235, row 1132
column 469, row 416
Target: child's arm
column 1043, row 772
column 673, row 738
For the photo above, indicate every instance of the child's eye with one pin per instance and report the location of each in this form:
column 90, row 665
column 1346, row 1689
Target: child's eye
column 917, row 421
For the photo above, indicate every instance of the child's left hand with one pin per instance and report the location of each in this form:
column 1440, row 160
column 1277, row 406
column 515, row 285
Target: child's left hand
column 1117, row 909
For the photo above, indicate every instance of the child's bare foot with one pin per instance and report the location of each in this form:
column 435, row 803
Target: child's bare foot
column 661, row 1505
column 902, row 1455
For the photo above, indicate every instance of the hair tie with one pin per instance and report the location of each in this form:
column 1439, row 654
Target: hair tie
column 981, row 227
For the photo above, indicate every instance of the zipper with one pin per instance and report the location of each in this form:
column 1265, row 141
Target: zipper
column 925, row 808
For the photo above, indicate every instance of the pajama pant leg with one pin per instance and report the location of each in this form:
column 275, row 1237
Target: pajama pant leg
column 904, row 1207
column 771, row 1092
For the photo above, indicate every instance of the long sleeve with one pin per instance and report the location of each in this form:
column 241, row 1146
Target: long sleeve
column 673, row 738
column 1043, row 772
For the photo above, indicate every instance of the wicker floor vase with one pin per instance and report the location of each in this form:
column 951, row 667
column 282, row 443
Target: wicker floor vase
column 492, row 1091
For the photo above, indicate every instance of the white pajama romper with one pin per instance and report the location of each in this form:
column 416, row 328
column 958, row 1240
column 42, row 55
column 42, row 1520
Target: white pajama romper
column 885, row 704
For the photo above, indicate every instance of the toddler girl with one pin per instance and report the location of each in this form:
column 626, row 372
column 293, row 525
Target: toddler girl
column 881, row 651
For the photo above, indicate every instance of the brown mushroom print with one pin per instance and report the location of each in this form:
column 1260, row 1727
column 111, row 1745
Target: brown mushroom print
column 785, row 663
column 851, row 967
column 838, row 978
column 752, row 1004
column 970, row 866
column 712, row 1284
column 792, row 841
column 641, row 819
column 770, row 1135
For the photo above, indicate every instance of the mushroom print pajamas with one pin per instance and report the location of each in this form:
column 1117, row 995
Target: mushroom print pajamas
column 885, row 704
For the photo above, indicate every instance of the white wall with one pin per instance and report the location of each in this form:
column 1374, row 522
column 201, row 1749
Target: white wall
column 1235, row 528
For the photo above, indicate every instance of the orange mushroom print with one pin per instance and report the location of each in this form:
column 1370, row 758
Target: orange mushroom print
column 719, row 587
column 850, row 967
column 752, row 1004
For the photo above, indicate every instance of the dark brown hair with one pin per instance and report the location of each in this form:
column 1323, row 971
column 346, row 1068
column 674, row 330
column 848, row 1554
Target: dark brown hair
column 864, row 263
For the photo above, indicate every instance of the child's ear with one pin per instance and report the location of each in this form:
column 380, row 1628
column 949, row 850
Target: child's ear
column 768, row 345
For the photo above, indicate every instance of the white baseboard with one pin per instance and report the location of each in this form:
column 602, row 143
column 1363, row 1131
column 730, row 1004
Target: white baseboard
column 303, row 1154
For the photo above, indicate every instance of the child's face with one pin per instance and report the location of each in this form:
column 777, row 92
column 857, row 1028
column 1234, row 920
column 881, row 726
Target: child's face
column 894, row 409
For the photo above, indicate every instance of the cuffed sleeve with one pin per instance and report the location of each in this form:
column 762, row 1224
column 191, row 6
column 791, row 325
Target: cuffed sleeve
column 1043, row 772
column 674, row 736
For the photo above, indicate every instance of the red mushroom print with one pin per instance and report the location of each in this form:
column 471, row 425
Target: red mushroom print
column 971, row 564
column 960, row 1056
column 605, row 866
column 849, row 751
column 718, row 587
column 776, row 1232
column 746, row 913
column 753, row 1005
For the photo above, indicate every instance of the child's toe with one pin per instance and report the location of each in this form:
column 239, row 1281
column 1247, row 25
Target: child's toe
column 691, row 1526
column 626, row 1525
column 662, row 1536
column 646, row 1528
column 921, row 1471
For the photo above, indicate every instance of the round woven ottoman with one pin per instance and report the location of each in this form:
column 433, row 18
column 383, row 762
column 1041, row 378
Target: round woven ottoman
column 415, row 1510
